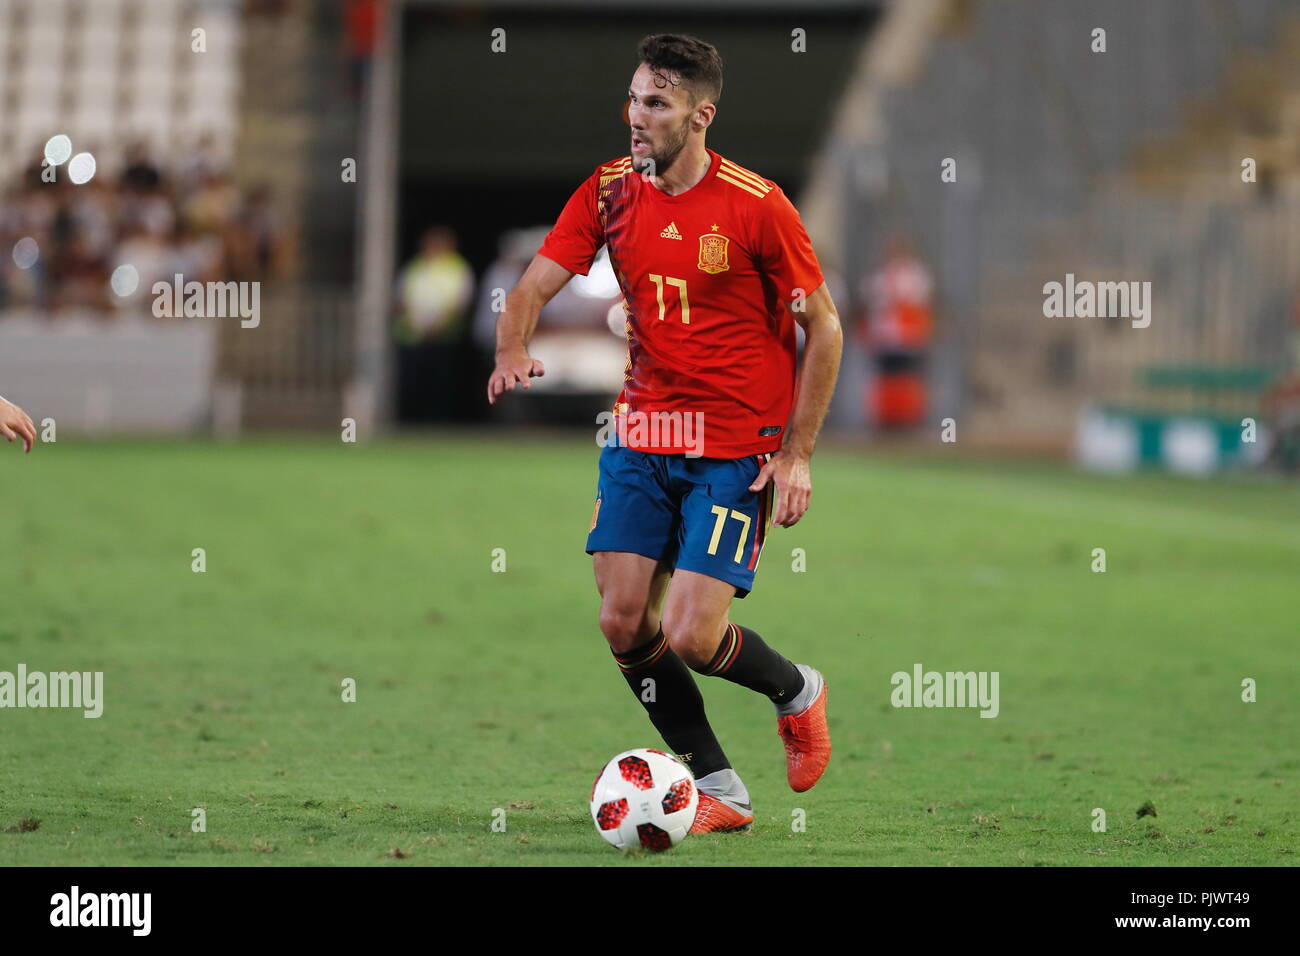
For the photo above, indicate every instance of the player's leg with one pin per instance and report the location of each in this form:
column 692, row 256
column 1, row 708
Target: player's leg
column 724, row 529
column 631, row 597
column 634, row 538
column 700, row 630
column 695, row 604
column 632, row 589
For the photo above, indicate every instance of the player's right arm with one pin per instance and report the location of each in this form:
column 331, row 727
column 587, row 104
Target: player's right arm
column 569, row 250
column 538, row 285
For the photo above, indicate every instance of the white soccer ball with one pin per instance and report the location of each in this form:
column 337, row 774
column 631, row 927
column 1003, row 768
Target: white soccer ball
column 644, row 800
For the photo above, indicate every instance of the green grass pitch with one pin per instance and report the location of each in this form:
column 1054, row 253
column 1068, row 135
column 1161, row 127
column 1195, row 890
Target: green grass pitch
column 479, row 690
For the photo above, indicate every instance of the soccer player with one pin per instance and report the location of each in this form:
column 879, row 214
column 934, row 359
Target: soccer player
column 715, row 267
column 15, row 423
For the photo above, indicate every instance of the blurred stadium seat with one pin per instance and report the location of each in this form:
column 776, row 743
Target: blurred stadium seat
column 1113, row 166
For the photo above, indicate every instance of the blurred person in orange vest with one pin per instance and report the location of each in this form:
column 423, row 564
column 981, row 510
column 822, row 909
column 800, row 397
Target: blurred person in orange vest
column 362, row 20
column 896, row 332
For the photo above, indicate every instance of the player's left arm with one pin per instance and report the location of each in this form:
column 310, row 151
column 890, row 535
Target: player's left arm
column 789, row 468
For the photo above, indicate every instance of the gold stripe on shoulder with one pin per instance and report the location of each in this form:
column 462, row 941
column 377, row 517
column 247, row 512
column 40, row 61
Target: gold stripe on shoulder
column 740, row 172
column 615, row 171
column 743, row 185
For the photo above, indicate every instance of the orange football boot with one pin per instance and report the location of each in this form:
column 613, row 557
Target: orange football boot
column 807, row 742
column 714, row 816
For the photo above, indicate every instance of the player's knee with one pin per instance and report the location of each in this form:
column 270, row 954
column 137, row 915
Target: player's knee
column 689, row 641
column 624, row 626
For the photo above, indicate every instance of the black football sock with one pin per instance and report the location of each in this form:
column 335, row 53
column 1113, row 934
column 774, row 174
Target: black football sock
column 674, row 704
column 745, row 659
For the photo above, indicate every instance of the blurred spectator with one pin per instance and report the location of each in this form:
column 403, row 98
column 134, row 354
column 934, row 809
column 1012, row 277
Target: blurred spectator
column 190, row 220
column 148, row 254
column 213, row 204
column 435, row 357
column 92, row 209
column 200, row 164
column 261, row 223
column 434, row 290
column 140, row 174
column 362, row 28
column 896, row 332
column 153, row 211
column 258, row 245
column 515, row 251
column 78, row 276
column 197, row 253
column 29, row 213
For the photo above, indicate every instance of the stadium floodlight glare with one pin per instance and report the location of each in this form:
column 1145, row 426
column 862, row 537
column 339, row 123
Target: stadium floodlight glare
column 125, row 279
column 26, row 252
column 81, row 168
column 58, row 149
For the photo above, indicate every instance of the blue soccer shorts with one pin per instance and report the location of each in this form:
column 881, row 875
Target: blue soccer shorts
column 697, row 514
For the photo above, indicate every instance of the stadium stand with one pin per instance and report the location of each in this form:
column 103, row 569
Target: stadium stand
column 1115, row 165
column 156, row 105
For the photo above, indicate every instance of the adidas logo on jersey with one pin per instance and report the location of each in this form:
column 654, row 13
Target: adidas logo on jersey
column 671, row 232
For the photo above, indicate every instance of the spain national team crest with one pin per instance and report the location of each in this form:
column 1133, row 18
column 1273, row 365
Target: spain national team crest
column 713, row 253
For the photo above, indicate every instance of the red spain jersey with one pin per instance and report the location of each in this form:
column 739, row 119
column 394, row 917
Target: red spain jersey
column 706, row 276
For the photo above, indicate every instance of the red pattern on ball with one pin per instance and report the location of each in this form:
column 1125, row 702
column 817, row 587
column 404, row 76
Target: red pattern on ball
column 636, row 772
column 654, row 839
column 611, row 814
column 678, row 796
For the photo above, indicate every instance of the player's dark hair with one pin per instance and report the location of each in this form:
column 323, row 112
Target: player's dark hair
column 698, row 63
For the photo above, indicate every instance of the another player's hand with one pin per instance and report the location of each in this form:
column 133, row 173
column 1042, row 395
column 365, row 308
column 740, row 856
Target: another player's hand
column 14, row 423
column 793, row 478
column 512, row 367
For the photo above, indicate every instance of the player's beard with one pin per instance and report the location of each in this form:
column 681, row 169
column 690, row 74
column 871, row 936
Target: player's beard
column 664, row 158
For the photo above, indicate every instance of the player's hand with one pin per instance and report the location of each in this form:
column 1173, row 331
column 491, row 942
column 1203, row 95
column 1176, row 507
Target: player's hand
column 512, row 367
column 14, row 423
column 793, row 478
